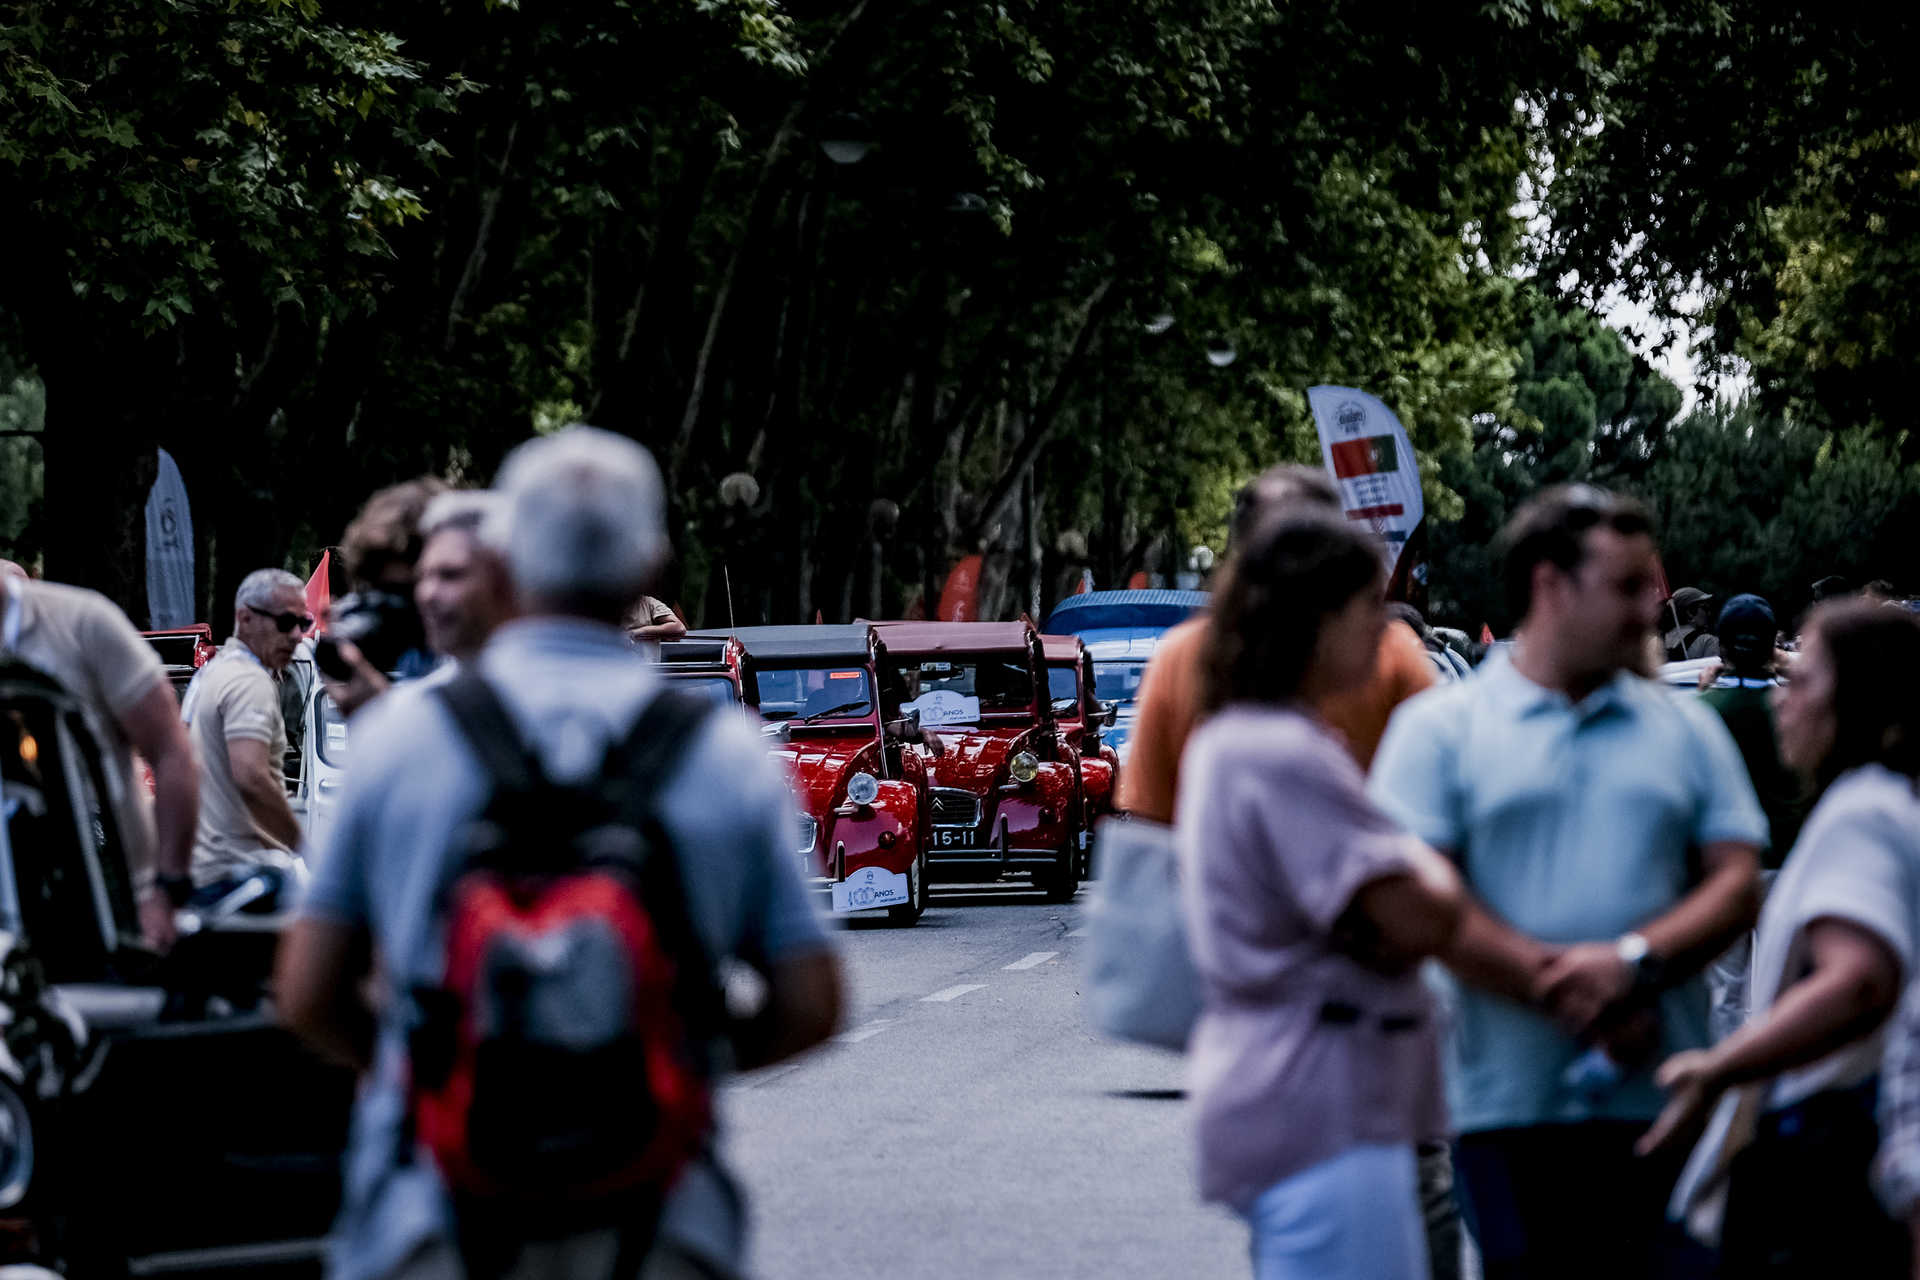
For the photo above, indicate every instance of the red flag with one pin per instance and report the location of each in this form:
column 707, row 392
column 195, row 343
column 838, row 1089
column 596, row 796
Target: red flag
column 960, row 602
column 1486, row 634
column 320, row 592
column 1660, row 578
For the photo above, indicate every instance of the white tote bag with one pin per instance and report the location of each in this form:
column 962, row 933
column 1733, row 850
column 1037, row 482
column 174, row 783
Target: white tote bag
column 1141, row 983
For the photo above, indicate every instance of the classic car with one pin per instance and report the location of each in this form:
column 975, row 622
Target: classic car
column 154, row 1119
column 859, row 774
column 1071, row 686
column 717, row 669
column 1007, row 795
column 1120, row 630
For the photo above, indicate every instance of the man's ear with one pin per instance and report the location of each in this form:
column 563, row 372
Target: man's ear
column 1548, row 583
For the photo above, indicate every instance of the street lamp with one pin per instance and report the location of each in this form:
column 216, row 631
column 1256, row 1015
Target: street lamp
column 1159, row 323
column 1221, row 353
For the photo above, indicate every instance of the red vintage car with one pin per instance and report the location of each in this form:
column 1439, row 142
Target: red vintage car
column 858, row 770
column 1007, row 792
column 1081, row 717
column 718, row 670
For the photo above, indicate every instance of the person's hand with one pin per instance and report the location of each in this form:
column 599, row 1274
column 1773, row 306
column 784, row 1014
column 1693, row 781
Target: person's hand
column 1581, row 984
column 1710, row 675
column 366, row 684
column 1693, row 1084
column 156, row 919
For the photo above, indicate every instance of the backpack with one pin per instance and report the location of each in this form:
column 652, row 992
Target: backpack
column 559, row 1065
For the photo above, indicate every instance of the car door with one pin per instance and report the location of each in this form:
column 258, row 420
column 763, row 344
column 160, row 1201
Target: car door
column 193, row 1130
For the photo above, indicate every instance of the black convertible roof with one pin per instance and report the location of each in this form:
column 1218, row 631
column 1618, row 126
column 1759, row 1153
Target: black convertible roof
column 834, row 643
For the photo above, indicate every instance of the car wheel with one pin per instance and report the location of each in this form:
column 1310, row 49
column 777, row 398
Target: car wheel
column 916, row 907
column 1059, row 883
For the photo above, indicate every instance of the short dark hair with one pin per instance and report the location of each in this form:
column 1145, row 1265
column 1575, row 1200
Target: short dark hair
column 386, row 533
column 1288, row 482
column 1295, row 569
column 1552, row 526
column 1876, row 685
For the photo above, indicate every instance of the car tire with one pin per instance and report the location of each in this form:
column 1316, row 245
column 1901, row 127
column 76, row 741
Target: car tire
column 909, row 915
column 1059, row 883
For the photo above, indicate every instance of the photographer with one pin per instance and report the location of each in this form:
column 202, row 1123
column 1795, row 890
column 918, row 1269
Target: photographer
column 377, row 630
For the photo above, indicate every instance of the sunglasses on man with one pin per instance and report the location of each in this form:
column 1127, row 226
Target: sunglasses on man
column 285, row 621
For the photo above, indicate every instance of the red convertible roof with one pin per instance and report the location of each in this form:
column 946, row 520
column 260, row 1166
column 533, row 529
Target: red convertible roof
column 1061, row 648
column 953, row 637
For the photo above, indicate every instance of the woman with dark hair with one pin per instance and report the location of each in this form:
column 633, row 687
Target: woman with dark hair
column 1315, row 1062
column 1782, row 1176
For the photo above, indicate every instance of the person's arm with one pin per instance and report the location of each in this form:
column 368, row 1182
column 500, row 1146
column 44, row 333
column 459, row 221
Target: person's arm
column 1491, row 954
column 1400, row 920
column 671, row 629
column 316, row 990
column 263, row 788
column 1590, row 978
column 153, row 726
column 802, row 1009
column 1851, row 990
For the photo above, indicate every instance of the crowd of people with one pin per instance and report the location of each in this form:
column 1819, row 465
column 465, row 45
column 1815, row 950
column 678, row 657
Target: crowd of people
column 1533, row 893
column 1605, row 978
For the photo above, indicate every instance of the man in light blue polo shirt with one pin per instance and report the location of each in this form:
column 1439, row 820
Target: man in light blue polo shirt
column 1611, row 839
column 586, row 536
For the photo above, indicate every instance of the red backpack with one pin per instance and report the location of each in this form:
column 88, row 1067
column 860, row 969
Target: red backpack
column 560, row 1063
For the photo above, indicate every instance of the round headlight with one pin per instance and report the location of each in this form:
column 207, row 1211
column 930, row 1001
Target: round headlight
column 1025, row 767
column 863, row 788
column 16, row 1148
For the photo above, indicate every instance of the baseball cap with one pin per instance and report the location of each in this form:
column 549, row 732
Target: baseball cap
column 1689, row 597
column 1747, row 627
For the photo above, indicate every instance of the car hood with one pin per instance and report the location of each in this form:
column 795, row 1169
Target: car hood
column 819, row 768
column 974, row 761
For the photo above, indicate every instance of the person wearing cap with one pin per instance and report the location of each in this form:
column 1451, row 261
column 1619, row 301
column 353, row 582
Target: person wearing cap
column 1691, row 612
column 1742, row 697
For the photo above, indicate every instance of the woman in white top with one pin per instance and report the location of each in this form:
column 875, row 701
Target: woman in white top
column 1782, row 1174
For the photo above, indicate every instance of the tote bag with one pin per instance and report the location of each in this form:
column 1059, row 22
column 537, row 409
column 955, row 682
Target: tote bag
column 1141, row 983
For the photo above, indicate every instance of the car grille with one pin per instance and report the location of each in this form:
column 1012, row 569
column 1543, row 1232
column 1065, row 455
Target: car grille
column 953, row 807
column 809, row 832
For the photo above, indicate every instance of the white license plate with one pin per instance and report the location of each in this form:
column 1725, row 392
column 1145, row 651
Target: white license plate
column 956, row 838
column 871, row 887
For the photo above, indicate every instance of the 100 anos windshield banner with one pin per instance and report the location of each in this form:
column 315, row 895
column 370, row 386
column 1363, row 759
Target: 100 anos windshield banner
column 1367, row 453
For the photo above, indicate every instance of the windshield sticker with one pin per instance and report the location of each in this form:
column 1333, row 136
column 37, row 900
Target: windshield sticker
column 943, row 706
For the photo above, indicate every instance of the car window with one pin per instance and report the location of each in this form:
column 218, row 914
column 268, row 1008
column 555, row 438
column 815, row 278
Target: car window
column 1117, row 681
column 961, row 690
column 55, row 820
column 331, row 727
column 821, row 693
column 717, row 690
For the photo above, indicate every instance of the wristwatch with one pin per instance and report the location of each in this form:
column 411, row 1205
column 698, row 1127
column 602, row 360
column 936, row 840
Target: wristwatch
column 1649, row 971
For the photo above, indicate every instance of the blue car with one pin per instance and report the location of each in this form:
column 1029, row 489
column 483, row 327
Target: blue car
column 1120, row 630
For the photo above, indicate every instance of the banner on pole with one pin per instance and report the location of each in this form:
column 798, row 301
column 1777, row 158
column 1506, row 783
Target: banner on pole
column 1370, row 459
column 169, row 550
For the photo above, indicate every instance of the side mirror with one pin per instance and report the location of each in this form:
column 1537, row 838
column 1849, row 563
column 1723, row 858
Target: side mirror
column 778, row 731
column 906, row 726
column 1065, row 706
column 1109, row 714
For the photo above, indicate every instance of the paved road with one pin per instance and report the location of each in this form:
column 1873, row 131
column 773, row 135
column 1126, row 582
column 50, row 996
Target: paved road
column 968, row 1123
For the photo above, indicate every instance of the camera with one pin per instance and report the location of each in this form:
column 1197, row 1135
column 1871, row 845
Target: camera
column 383, row 625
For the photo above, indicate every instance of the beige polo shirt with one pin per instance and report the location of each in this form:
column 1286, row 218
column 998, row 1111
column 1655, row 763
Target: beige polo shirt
column 81, row 639
column 232, row 699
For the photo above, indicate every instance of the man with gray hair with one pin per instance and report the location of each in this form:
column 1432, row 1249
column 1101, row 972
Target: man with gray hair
column 586, row 537
column 239, row 735
column 462, row 585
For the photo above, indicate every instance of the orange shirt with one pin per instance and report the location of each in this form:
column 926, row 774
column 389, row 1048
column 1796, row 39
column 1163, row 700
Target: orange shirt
column 1169, row 707
column 1400, row 669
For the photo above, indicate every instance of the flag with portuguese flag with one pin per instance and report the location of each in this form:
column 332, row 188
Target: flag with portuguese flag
column 1367, row 452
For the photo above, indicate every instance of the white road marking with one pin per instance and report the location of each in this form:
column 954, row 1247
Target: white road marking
column 952, row 993
column 867, row 1032
column 1033, row 961
column 1081, row 932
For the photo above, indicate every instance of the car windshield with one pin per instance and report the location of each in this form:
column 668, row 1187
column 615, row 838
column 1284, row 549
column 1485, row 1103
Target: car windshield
column 958, row 691
column 716, row 689
column 815, row 693
column 1117, row 681
column 1063, row 688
